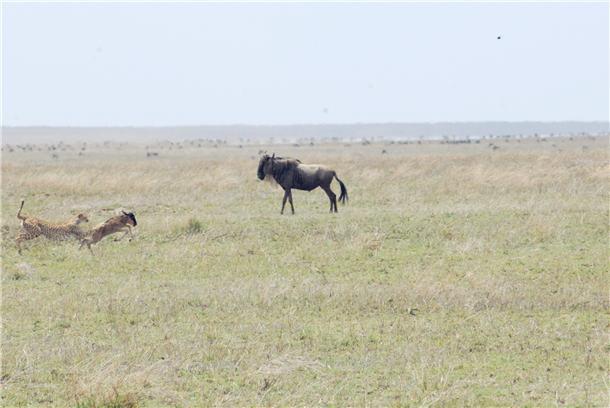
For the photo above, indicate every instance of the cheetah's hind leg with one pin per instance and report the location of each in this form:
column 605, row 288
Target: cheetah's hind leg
column 24, row 236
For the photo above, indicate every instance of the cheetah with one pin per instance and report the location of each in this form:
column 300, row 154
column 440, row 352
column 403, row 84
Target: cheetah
column 118, row 223
column 33, row 227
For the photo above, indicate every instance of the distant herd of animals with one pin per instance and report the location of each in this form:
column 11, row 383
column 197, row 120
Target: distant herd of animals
column 288, row 173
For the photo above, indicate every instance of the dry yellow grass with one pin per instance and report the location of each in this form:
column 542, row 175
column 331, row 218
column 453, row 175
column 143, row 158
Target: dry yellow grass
column 457, row 275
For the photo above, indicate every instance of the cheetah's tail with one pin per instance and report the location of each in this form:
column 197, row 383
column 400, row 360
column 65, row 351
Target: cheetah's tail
column 21, row 217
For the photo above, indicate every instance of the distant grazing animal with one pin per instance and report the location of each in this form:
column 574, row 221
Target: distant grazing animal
column 118, row 223
column 33, row 227
column 291, row 173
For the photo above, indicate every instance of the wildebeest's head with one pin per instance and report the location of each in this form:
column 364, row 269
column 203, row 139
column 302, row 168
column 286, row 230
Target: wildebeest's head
column 130, row 218
column 264, row 166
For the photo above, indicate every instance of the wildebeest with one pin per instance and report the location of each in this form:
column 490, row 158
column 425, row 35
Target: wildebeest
column 291, row 173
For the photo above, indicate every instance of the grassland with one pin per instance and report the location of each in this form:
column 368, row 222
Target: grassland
column 457, row 275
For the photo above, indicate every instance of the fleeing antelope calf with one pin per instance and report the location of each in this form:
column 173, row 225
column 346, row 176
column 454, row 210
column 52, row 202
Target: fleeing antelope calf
column 122, row 222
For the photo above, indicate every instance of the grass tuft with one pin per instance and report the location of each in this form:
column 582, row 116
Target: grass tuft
column 113, row 400
column 193, row 227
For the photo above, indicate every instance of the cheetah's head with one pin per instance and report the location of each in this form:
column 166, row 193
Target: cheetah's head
column 80, row 218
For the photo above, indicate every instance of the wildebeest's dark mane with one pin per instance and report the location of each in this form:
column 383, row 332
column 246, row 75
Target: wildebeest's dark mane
column 285, row 158
column 282, row 166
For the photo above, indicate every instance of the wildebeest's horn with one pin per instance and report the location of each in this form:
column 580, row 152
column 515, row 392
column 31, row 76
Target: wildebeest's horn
column 273, row 157
column 123, row 212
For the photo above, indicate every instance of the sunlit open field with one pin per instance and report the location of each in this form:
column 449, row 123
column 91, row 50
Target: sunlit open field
column 461, row 275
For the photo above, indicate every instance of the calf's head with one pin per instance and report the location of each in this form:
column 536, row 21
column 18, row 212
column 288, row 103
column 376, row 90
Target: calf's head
column 130, row 218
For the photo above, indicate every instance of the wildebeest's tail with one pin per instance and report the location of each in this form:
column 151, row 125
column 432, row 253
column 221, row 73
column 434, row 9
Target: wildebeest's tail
column 21, row 217
column 343, row 197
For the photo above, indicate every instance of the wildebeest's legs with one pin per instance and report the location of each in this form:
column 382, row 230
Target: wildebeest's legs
column 335, row 201
column 290, row 200
column 286, row 193
column 332, row 197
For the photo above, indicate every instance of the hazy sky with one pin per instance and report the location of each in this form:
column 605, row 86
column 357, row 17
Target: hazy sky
column 191, row 64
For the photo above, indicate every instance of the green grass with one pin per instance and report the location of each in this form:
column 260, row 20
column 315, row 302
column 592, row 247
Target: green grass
column 455, row 276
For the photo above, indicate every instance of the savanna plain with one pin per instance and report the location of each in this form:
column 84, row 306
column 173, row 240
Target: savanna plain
column 457, row 275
